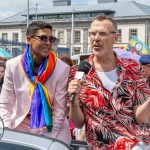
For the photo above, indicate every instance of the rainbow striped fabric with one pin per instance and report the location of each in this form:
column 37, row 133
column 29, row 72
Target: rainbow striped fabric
column 41, row 107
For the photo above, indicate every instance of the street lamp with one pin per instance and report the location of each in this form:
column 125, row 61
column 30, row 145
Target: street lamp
column 36, row 11
column 27, row 13
column 72, row 33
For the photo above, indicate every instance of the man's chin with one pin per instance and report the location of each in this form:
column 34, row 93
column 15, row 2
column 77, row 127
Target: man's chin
column 46, row 54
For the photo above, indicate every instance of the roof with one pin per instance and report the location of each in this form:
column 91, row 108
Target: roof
column 120, row 9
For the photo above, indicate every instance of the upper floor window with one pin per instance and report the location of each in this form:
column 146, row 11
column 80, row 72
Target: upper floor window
column 40, row 17
column 119, row 36
column 77, row 36
column 51, row 17
column 61, row 37
column 4, row 36
column 94, row 14
column 15, row 37
column 132, row 32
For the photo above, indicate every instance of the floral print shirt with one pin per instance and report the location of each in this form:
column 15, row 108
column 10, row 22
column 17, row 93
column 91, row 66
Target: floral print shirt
column 109, row 117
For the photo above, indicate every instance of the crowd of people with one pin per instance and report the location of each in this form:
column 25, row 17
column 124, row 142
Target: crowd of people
column 111, row 106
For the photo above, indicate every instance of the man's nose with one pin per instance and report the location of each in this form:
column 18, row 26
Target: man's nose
column 48, row 41
column 97, row 36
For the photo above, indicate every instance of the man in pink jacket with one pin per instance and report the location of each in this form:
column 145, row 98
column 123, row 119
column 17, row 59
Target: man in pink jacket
column 34, row 93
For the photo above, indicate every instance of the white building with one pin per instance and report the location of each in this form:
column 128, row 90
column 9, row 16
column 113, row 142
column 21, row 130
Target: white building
column 133, row 20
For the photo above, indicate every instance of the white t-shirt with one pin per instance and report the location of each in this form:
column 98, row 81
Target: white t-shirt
column 108, row 79
column 78, row 131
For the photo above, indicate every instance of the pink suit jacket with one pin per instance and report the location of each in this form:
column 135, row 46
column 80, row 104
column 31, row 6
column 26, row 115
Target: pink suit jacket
column 15, row 102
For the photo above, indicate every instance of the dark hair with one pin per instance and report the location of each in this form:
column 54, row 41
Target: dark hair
column 104, row 17
column 65, row 58
column 37, row 25
column 2, row 64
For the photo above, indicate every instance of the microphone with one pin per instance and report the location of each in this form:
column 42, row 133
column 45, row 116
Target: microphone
column 83, row 70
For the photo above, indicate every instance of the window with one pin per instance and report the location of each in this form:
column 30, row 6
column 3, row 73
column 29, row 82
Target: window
column 33, row 18
column 82, row 15
column 4, row 36
column 69, row 16
column 78, row 16
column 77, row 37
column 77, row 50
column 40, row 17
column 64, row 16
column 85, row 15
column 53, row 17
column 61, row 37
column 132, row 32
column 120, row 36
column 94, row 14
column 15, row 37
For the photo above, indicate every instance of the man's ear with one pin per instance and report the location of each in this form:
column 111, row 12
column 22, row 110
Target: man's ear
column 143, row 67
column 29, row 39
column 116, row 38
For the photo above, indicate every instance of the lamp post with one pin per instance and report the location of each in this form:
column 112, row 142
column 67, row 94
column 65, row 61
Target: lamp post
column 72, row 32
column 36, row 11
column 27, row 13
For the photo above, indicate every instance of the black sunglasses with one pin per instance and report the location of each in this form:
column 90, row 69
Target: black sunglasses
column 44, row 38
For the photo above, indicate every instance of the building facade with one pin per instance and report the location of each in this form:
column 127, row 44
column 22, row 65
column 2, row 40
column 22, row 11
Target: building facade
column 133, row 20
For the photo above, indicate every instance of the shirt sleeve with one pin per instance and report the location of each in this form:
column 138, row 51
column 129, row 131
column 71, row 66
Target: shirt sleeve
column 60, row 101
column 7, row 98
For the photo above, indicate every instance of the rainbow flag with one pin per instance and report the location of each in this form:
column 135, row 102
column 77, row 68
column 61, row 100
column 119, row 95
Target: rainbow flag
column 138, row 46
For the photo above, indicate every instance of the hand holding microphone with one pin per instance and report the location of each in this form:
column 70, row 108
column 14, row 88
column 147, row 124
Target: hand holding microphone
column 83, row 70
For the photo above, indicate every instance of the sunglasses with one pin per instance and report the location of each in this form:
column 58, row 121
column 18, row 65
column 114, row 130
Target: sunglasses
column 45, row 39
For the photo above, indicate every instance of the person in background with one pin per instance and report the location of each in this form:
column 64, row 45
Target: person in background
column 2, row 72
column 145, row 62
column 35, row 84
column 65, row 58
column 113, row 101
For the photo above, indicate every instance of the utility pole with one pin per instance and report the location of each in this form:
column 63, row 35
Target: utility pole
column 72, row 33
column 27, row 13
column 36, row 11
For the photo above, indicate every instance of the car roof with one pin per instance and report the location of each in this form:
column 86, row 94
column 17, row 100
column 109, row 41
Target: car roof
column 28, row 141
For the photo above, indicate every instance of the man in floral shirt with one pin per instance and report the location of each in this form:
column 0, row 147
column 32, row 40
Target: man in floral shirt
column 113, row 101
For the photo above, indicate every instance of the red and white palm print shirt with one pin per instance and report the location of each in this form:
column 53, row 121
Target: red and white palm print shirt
column 109, row 117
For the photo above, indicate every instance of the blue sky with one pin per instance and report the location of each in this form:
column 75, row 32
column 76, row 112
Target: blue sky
column 11, row 7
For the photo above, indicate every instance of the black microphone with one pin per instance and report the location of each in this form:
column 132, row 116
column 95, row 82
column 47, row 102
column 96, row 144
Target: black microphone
column 83, row 70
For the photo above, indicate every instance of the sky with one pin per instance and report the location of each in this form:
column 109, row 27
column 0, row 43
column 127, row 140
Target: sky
column 9, row 7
